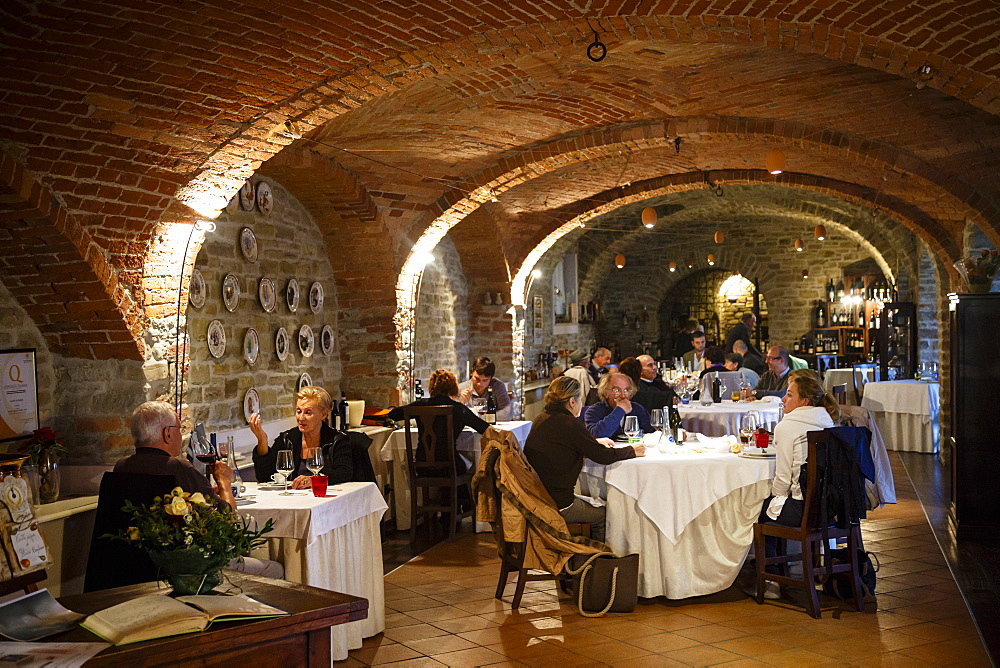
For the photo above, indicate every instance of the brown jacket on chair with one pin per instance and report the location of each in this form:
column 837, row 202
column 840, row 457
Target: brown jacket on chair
column 528, row 513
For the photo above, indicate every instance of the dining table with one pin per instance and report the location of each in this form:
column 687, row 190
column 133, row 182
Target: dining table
column 723, row 418
column 907, row 413
column 393, row 453
column 331, row 542
column 688, row 512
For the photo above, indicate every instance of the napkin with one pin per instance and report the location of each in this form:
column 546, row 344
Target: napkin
column 720, row 444
column 770, row 400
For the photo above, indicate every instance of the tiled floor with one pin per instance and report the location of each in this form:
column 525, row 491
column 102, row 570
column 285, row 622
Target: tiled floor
column 440, row 610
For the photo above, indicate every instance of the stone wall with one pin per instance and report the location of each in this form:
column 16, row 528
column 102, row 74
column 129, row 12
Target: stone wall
column 289, row 247
column 442, row 335
column 87, row 401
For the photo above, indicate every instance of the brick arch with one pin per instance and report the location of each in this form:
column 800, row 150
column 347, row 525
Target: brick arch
column 59, row 275
column 936, row 237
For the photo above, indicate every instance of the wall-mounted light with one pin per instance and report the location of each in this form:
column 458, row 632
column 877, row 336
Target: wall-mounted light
column 673, row 266
column 799, row 245
column 805, row 273
column 649, row 217
column 619, row 260
column 820, row 232
column 711, row 260
column 719, row 237
column 775, row 162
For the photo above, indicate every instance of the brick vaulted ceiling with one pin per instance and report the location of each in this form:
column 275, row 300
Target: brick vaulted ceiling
column 127, row 115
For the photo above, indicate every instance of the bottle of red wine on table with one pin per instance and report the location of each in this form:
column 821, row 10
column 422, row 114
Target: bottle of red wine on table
column 490, row 413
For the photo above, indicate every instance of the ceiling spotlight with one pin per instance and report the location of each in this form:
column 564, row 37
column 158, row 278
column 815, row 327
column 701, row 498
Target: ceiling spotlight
column 673, row 266
column 711, row 260
column 649, row 217
column 775, row 162
column 719, row 237
column 923, row 75
column 619, row 260
column 820, row 232
column 292, row 130
column 799, row 245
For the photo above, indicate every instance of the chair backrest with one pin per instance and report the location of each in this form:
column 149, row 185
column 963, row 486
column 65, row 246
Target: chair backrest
column 112, row 563
column 825, row 362
column 840, row 393
column 816, row 472
column 863, row 373
column 730, row 383
column 433, row 444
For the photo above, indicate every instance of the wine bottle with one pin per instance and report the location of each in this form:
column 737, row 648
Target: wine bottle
column 831, row 294
column 675, row 422
column 490, row 413
column 716, row 388
column 344, row 423
column 820, row 315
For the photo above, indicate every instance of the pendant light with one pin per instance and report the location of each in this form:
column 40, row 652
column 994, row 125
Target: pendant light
column 820, row 232
column 689, row 262
column 799, row 245
column 805, row 273
column 720, row 236
column 711, row 260
column 673, row 266
column 619, row 260
column 649, row 217
column 775, row 162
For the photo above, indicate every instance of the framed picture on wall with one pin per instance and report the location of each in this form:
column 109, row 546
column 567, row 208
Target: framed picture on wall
column 536, row 319
column 18, row 393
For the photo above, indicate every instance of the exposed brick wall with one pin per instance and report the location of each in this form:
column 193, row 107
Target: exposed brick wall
column 442, row 316
column 288, row 246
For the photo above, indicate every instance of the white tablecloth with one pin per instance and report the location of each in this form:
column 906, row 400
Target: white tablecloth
column 689, row 516
column 724, row 418
column 333, row 543
column 907, row 412
column 394, row 454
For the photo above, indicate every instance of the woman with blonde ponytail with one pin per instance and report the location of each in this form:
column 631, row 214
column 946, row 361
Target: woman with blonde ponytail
column 807, row 408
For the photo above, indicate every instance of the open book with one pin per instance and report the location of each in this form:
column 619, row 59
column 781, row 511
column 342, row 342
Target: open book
column 158, row 616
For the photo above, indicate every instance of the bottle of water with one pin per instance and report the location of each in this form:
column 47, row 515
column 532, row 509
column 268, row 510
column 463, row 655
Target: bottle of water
column 238, row 487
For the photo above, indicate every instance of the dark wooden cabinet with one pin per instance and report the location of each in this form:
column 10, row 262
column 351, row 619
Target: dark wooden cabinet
column 975, row 380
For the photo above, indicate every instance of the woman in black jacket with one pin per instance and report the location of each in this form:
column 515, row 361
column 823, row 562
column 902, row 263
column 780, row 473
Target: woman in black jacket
column 312, row 406
column 556, row 447
column 443, row 386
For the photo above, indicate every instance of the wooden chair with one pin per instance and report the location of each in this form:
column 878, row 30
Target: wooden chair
column 840, row 393
column 512, row 560
column 861, row 373
column 431, row 463
column 112, row 563
column 811, row 537
column 825, row 362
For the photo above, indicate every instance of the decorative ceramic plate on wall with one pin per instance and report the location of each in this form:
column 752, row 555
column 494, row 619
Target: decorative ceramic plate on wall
column 251, row 403
column 196, row 291
column 292, row 295
column 247, row 196
column 231, row 292
column 216, row 339
column 307, row 342
column 251, row 346
column 316, row 297
column 326, row 340
column 268, row 295
column 305, row 380
column 281, row 344
column 248, row 244
column 264, row 200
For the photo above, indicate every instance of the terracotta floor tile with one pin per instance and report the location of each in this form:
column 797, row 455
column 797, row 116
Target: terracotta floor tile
column 419, row 662
column 562, row 659
column 493, row 634
column 524, row 649
column 744, row 663
column 416, row 632
column 934, row 632
column 894, row 640
column 439, row 645
column 661, row 643
column 395, row 619
column 414, row 603
column 437, row 614
column 393, row 653
column 944, row 654
column 675, row 622
column 794, row 658
column 752, row 645
column 703, row 655
column 710, row 634
column 476, row 656
column 612, row 650
column 647, row 661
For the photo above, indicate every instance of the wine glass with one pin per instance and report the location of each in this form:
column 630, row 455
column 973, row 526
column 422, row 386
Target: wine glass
column 285, row 464
column 656, row 418
column 204, row 452
column 748, row 426
column 313, row 457
column 632, row 429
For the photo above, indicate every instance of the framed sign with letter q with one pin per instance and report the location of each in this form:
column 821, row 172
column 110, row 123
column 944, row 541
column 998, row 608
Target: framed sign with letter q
column 18, row 394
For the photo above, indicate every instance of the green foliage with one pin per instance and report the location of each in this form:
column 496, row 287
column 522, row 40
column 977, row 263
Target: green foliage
column 183, row 521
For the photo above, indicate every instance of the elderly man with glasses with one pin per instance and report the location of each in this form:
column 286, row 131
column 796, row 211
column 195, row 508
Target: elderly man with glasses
column 606, row 419
column 774, row 382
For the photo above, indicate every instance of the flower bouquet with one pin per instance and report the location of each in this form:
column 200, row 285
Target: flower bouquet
column 190, row 538
column 44, row 450
column 978, row 271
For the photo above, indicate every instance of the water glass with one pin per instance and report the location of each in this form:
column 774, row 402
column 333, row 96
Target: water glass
column 656, row 418
column 749, row 422
column 285, row 465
